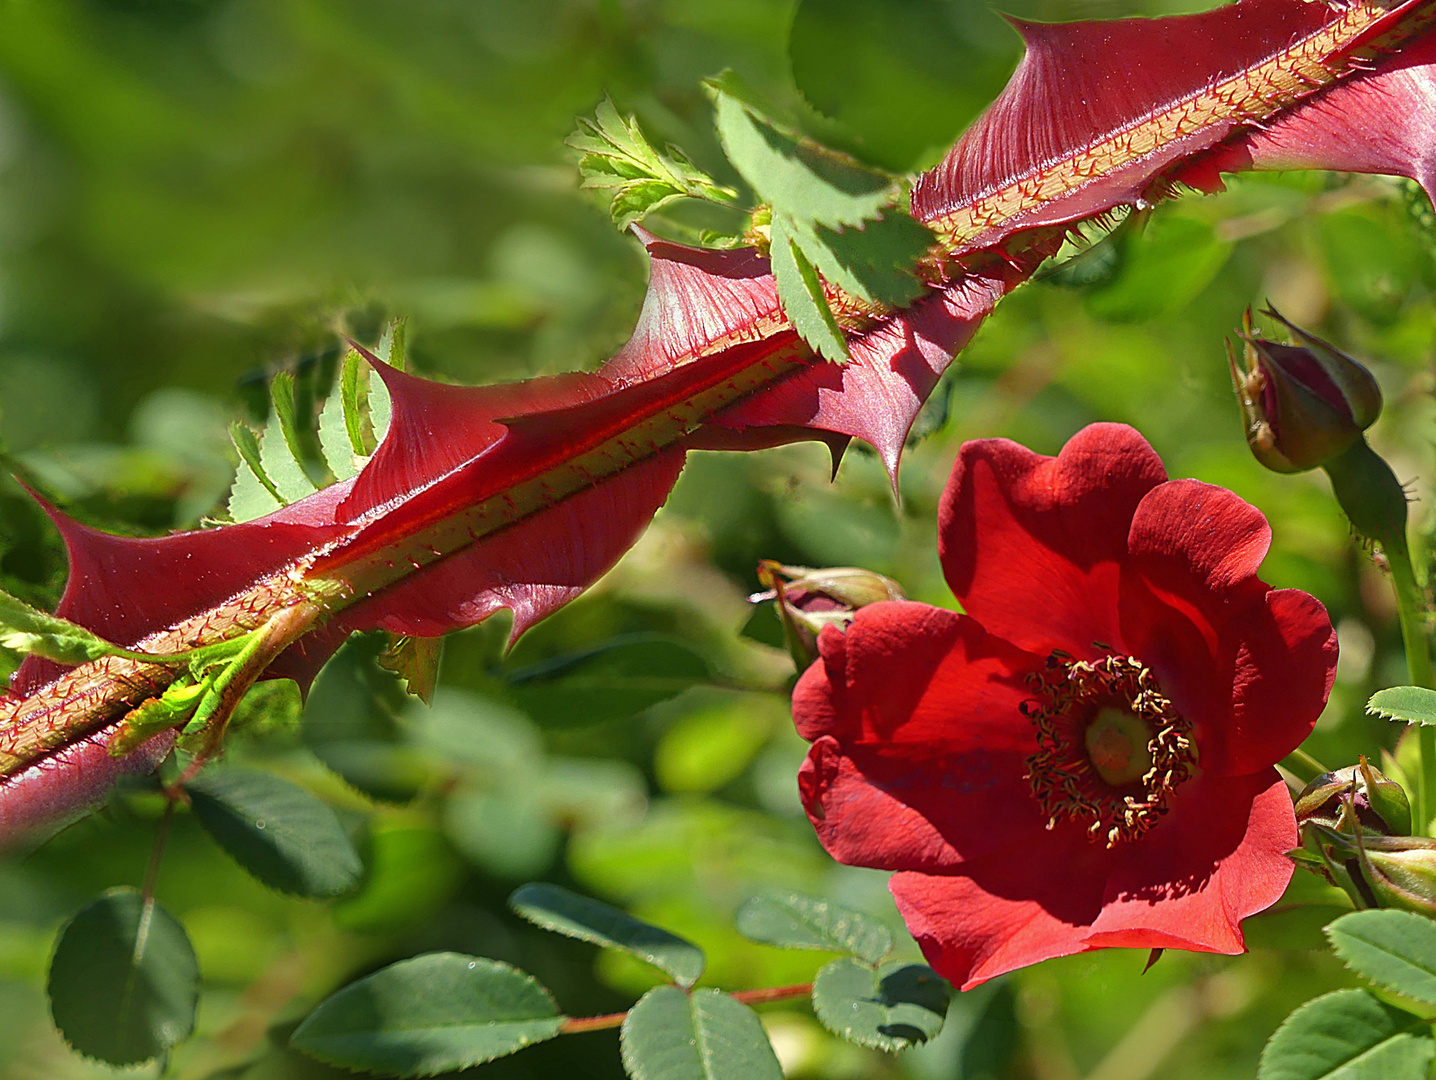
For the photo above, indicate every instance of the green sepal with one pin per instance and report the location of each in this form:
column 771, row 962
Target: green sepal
column 169, row 710
column 615, row 156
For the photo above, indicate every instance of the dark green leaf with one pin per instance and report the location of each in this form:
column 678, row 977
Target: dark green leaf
column 612, row 682
column 432, row 1014
column 670, row 1035
column 1394, row 949
column 1408, row 704
column 566, row 912
column 124, row 983
column 794, row 921
column 280, row 833
column 804, row 302
column 1347, row 1035
column 895, row 1007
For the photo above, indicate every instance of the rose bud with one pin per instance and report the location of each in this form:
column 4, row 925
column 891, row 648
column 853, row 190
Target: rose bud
column 1378, row 802
column 1375, row 871
column 808, row 599
column 1401, row 872
column 1304, row 403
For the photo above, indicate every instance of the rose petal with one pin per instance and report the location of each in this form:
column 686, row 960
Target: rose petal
column 1251, row 668
column 1187, row 884
column 1030, row 544
column 1284, row 668
column 1218, row 858
column 1200, row 541
column 906, row 673
column 1006, row 911
column 916, row 812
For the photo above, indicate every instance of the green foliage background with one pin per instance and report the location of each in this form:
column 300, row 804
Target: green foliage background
column 195, row 194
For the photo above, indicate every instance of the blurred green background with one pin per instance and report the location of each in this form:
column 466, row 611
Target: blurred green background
column 196, row 194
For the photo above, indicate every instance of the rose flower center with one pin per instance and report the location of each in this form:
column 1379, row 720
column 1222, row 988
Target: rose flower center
column 1118, row 745
column 1111, row 749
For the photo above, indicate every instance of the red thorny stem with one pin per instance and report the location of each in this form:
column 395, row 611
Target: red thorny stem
column 575, row 1024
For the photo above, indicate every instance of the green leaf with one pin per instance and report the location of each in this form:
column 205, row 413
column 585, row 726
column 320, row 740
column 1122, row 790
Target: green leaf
column 124, row 982
column 281, row 393
column 278, row 460
column 804, row 302
column 895, row 1007
column 25, row 629
column 613, row 681
column 797, row 177
column 1408, row 704
column 354, row 379
column 334, row 441
column 873, row 261
column 247, row 444
column 566, row 912
column 830, row 217
column 416, row 661
column 393, row 346
column 1394, row 949
column 286, row 837
column 706, row 1035
column 1347, row 1035
column 173, row 708
column 792, row 920
column 615, row 156
column 431, row 1014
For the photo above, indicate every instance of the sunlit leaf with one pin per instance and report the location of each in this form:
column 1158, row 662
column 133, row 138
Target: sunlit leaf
column 892, row 1008
column 416, row 661
column 804, row 302
column 25, row 629
column 615, row 156
column 1408, row 704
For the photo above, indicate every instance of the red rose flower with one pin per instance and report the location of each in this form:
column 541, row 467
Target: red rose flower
column 1084, row 759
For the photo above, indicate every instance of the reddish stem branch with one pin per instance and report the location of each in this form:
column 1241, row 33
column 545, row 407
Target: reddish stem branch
column 575, row 1024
